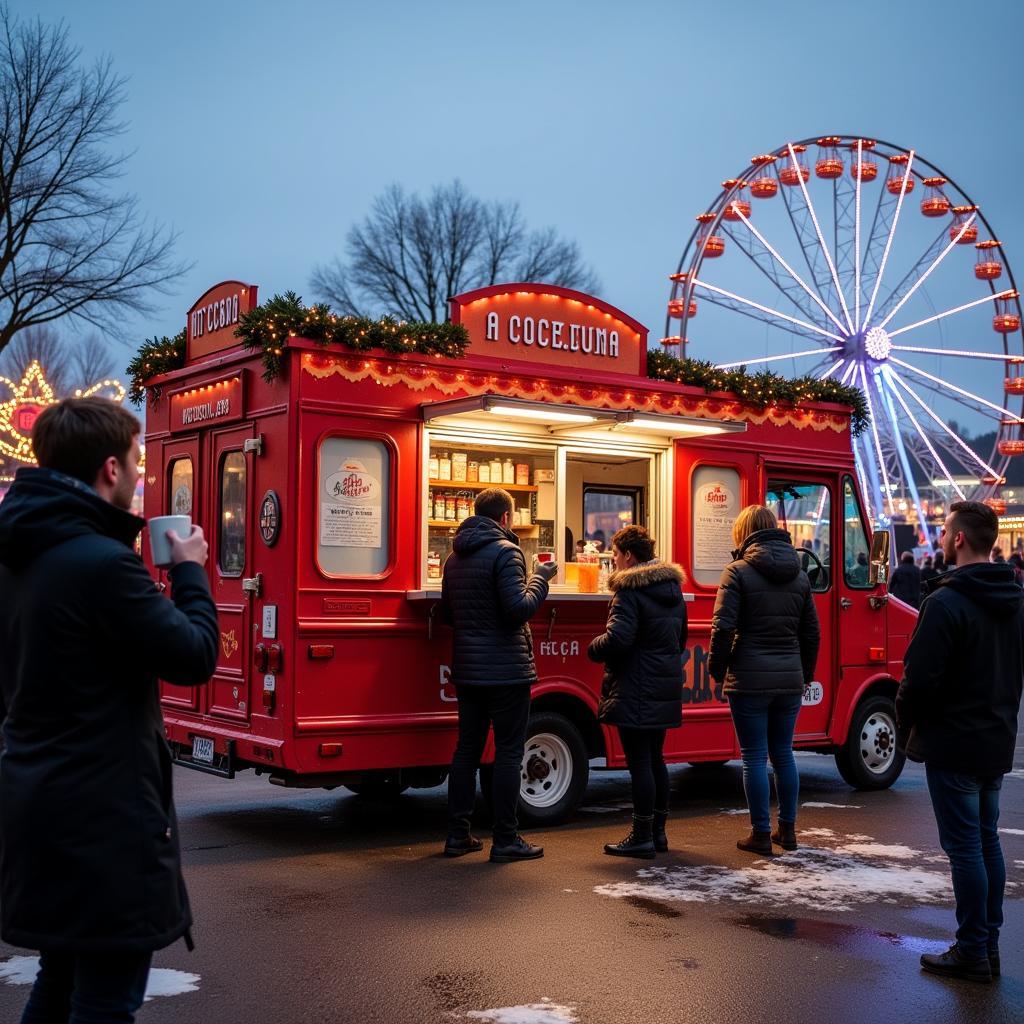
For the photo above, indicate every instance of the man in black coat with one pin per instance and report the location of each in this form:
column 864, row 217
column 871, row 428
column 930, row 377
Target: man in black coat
column 906, row 581
column 90, row 872
column 957, row 712
column 489, row 599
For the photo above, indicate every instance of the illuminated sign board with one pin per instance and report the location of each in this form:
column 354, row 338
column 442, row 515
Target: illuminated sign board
column 208, row 405
column 212, row 320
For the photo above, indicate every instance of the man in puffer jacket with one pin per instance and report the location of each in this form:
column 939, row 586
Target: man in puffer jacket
column 487, row 596
column 956, row 711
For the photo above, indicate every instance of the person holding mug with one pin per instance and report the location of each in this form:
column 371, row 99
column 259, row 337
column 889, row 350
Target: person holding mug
column 642, row 690
column 764, row 645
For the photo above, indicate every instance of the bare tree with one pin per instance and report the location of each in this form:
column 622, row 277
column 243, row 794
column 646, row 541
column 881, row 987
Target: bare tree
column 66, row 366
column 91, row 362
column 410, row 255
column 69, row 244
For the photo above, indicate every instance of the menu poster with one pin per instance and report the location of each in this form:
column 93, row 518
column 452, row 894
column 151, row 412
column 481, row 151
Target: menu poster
column 351, row 507
column 716, row 493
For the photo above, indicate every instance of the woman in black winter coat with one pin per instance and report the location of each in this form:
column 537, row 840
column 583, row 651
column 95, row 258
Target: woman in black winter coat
column 764, row 644
column 642, row 691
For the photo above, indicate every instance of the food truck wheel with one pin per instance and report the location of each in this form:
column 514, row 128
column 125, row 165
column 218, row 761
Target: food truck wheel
column 554, row 772
column 869, row 758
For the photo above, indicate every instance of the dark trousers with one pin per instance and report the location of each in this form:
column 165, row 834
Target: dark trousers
column 967, row 813
column 87, row 988
column 647, row 772
column 507, row 709
column 765, row 726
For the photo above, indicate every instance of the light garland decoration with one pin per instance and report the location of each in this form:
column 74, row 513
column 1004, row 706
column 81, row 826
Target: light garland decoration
column 35, row 392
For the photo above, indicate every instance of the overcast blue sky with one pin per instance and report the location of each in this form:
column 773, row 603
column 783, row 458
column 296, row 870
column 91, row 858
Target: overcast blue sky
column 262, row 131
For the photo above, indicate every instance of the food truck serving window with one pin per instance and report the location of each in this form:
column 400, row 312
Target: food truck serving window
column 231, row 542
column 179, row 494
column 353, row 506
column 856, row 544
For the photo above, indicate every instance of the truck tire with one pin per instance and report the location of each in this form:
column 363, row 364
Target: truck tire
column 554, row 773
column 869, row 758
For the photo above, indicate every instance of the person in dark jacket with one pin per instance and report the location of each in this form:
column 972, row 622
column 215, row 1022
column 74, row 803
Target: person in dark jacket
column 489, row 599
column 928, row 573
column 906, row 581
column 940, row 563
column 642, row 690
column 90, row 872
column 956, row 711
column 764, row 645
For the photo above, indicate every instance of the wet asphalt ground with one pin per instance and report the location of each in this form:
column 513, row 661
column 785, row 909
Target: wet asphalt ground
column 326, row 907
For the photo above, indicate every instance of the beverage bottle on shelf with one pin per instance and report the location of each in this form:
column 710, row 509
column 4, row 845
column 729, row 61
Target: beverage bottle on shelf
column 433, row 470
column 444, row 467
column 508, row 472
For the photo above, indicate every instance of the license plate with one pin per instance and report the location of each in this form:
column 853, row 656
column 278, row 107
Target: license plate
column 202, row 749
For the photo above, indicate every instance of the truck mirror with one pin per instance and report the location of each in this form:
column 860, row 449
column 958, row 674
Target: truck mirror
column 878, row 571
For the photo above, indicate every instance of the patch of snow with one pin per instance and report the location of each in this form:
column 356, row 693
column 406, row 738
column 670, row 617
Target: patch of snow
column 1012, row 831
column 1017, row 773
column 734, row 810
column 599, row 809
column 19, row 970
column 163, row 981
column 819, row 878
column 544, row 1012
column 570, row 890
column 820, row 833
column 815, row 803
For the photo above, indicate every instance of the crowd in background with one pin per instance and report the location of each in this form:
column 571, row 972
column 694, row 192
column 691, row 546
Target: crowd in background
column 913, row 578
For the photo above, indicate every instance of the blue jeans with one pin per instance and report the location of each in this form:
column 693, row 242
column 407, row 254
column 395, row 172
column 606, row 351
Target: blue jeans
column 764, row 727
column 87, row 988
column 967, row 813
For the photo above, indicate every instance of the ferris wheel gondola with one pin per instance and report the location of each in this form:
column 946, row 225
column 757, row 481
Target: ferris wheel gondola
column 824, row 290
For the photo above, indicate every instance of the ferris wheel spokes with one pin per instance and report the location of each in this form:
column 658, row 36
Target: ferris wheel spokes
column 792, row 273
column 998, row 409
column 874, row 431
column 832, row 369
column 891, row 234
column 949, row 312
column 954, row 241
column 904, row 461
column 856, row 238
column 999, row 356
column 764, row 262
column 767, row 310
column 772, row 359
column 821, row 237
column 961, row 443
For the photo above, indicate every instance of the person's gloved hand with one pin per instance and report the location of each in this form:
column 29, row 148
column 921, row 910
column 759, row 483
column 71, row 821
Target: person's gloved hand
column 547, row 570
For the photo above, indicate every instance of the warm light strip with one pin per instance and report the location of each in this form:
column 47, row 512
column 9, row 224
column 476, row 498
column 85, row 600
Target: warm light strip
column 950, row 312
column 856, row 238
column 956, row 352
column 953, row 387
column 792, row 273
column 667, row 427
column 787, row 355
column 924, row 437
column 541, row 414
column 766, row 309
column 888, row 241
column 878, row 443
column 956, row 437
column 832, row 369
column 924, row 277
column 821, row 237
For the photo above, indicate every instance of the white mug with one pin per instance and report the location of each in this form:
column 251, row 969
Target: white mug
column 159, row 545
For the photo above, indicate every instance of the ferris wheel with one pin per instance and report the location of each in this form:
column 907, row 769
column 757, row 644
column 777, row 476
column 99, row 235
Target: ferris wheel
column 836, row 271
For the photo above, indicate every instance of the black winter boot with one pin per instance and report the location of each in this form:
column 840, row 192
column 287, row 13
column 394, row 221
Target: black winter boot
column 785, row 835
column 756, row 842
column 638, row 843
column 658, row 831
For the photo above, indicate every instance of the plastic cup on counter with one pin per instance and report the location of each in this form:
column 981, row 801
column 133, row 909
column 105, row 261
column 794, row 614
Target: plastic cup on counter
column 589, row 573
column 572, row 574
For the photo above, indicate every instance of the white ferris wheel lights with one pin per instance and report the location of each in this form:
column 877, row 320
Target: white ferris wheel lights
column 924, row 277
column 953, row 387
column 792, row 273
column 821, row 238
column 892, row 232
column 785, row 355
column 832, row 369
column 765, row 309
column 1009, row 294
column 878, row 443
column 849, row 372
column 877, row 344
column 1000, row 356
column 856, row 234
column 956, row 437
column 923, row 435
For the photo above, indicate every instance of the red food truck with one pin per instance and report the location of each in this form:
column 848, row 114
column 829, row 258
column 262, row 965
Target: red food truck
column 330, row 482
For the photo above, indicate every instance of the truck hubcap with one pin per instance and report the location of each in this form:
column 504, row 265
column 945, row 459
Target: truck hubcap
column 878, row 742
column 546, row 770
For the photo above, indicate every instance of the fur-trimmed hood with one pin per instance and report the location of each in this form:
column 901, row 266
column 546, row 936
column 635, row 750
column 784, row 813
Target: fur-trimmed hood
column 664, row 579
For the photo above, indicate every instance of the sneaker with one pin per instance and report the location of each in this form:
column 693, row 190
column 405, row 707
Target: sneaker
column 518, row 849
column 459, row 846
column 756, row 842
column 953, row 964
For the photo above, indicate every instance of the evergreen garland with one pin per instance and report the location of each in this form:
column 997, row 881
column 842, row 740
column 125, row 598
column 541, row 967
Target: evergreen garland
column 156, row 356
column 759, row 389
column 269, row 326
